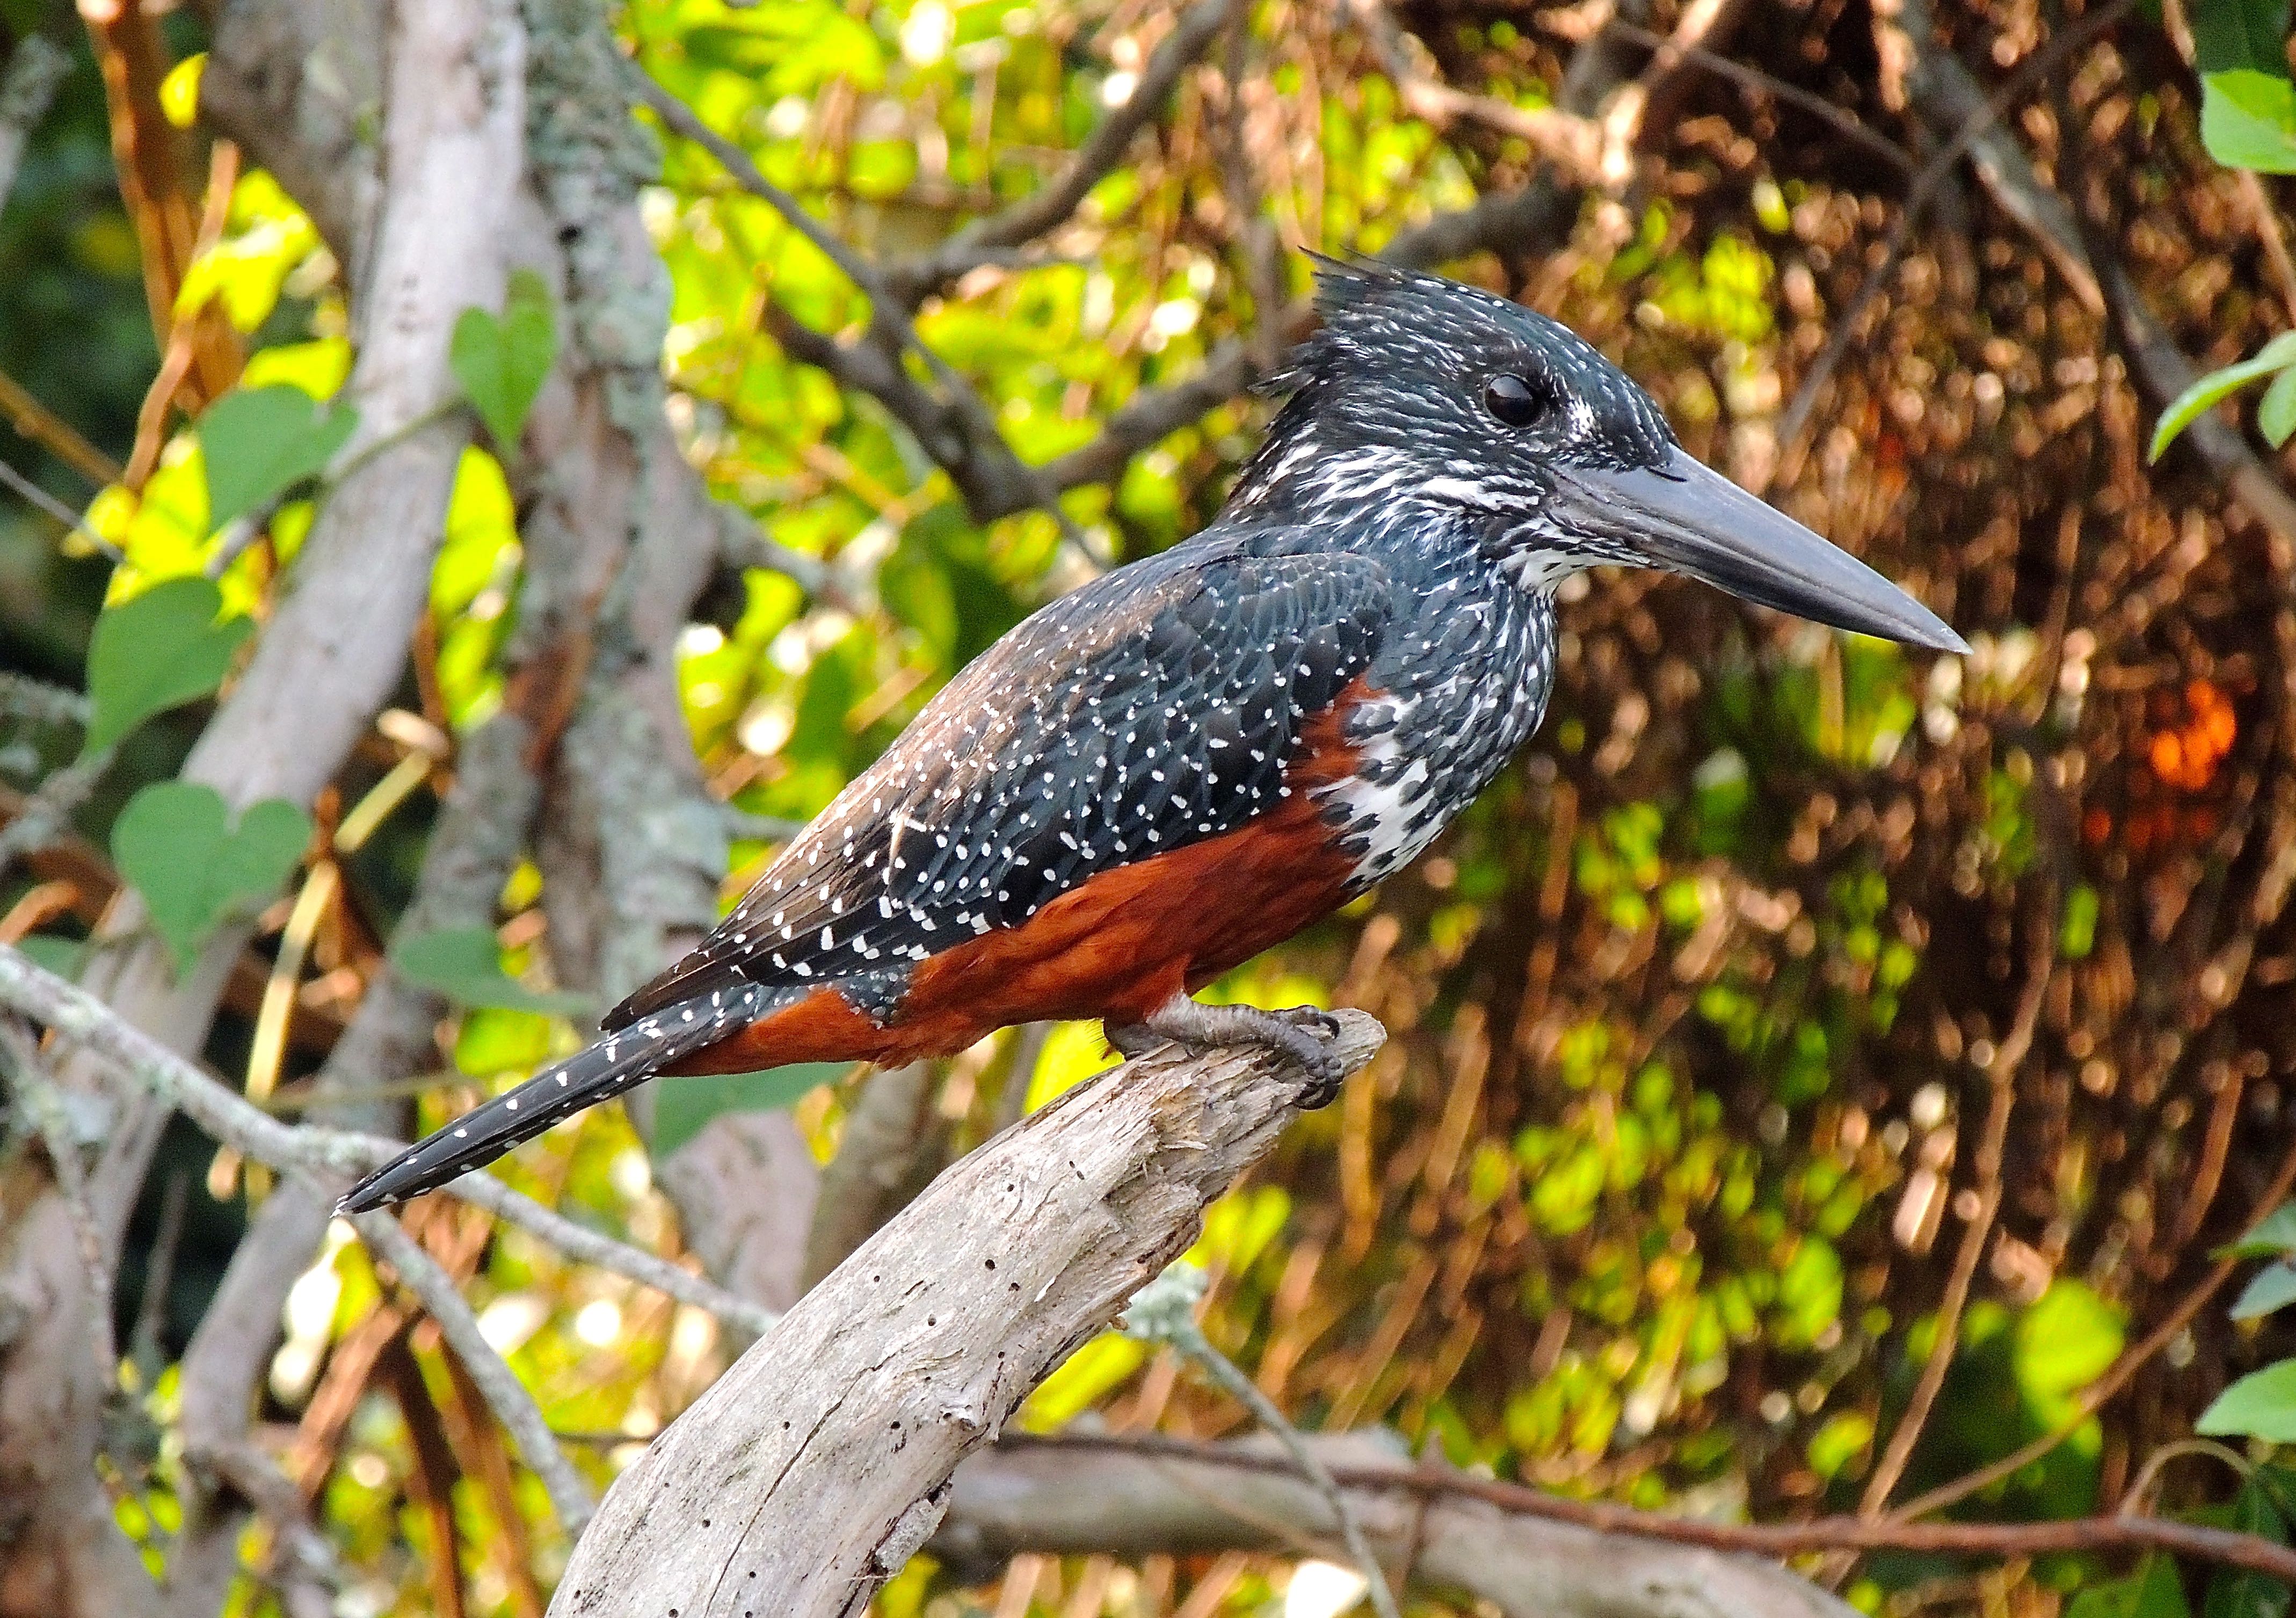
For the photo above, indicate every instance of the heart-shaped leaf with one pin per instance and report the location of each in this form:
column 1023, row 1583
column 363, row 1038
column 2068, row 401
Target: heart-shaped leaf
column 259, row 442
column 155, row 651
column 502, row 361
column 176, row 844
column 464, row 964
column 683, row 1108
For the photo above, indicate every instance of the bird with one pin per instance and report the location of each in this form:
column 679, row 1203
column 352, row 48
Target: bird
column 1187, row 760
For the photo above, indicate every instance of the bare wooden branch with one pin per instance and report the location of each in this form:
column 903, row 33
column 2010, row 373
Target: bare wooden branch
column 1065, row 1499
column 811, row 1471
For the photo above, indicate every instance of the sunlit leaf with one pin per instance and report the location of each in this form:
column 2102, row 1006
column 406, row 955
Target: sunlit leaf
column 2248, row 119
column 2275, row 413
column 2272, row 1287
column 2275, row 1234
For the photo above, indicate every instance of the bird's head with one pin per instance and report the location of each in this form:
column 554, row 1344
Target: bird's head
column 1418, row 392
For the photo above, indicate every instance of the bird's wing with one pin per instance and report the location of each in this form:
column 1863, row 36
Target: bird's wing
column 1154, row 707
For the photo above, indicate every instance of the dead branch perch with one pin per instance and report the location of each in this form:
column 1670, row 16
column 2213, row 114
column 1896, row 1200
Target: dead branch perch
column 1060, row 1497
column 813, row 1469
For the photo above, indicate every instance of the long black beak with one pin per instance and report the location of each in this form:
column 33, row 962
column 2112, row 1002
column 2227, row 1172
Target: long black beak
column 1682, row 517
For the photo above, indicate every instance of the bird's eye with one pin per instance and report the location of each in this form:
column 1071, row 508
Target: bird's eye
column 1516, row 401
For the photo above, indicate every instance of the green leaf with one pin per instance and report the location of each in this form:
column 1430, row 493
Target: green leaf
column 156, row 651
column 2151, row 1591
column 2261, row 1404
column 502, row 361
column 2276, row 414
column 2231, row 34
column 464, row 964
column 2274, row 1236
column 2269, row 1289
column 2248, row 119
column 2076, row 936
column 2238, row 1592
column 259, row 442
column 2063, row 1342
column 2185, row 408
column 174, row 843
column 62, row 956
column 683, row 1106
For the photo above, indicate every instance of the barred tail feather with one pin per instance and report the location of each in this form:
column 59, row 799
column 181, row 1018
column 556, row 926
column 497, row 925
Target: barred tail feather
column 621, row 1060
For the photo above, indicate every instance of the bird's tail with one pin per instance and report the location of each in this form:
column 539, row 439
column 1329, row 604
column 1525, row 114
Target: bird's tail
column 618, row 1061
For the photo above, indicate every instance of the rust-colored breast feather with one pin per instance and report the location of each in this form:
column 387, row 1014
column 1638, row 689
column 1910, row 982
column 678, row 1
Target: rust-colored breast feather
column 1117, row 947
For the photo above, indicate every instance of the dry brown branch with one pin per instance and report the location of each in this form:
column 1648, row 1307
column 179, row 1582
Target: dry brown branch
column 1062, row 1497
column 2005, row 1540
column 1843, row 121
column 1967, row 121
column 42, row 426
column 811, row 1471
column 1567, row 139
column 2001, row 1075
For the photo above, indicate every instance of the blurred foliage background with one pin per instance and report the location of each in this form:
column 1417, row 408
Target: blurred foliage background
column 1779, row 962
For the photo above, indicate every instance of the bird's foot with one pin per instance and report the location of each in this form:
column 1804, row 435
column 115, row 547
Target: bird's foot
column 1301, row 1033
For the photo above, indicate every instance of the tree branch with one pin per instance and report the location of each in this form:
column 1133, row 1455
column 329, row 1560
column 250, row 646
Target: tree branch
column 991, row 240
column 77, row 1017
column 1138, row 1497
column 811, row 1470
column 506, row 1395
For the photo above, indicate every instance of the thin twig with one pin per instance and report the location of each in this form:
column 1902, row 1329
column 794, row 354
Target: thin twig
column 2099, row 1393
column 36, row 422
column 2032, row 71
column 506, row 1394
column 1844, row 122
column 47, row 814
column 1165, row 1311
column 35, row 68
column 75, row 1016
column 51, row 1116
column 144, row 1343
column 34, row 495
column 2002, row 1071
column 987, row 241
column 1571, row 143
column 957, row 429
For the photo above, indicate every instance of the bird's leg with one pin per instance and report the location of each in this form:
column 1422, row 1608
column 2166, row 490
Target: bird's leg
column 1301, row 1033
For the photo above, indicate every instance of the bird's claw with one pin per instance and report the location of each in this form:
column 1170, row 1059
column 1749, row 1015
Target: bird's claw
column 1303, row 1033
